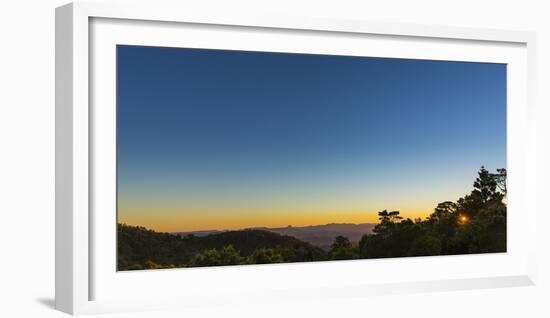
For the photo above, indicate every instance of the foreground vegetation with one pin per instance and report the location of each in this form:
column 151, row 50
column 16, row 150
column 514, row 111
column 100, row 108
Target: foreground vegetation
column 475, row 223
column 139, row 248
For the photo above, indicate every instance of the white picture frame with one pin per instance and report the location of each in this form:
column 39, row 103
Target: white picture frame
column 86, row 281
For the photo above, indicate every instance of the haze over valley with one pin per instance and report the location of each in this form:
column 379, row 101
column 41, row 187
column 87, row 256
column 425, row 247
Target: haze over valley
column 318, row 235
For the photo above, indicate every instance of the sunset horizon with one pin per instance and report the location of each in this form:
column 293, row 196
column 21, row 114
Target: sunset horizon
column 216, row 140
column 153, row 220
column 373, row 219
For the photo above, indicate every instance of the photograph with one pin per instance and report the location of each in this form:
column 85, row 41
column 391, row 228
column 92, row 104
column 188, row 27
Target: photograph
column 228, row 157
column 275, row 159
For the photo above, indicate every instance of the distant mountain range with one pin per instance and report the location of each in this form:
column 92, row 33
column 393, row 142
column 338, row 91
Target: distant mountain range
column 318, row 235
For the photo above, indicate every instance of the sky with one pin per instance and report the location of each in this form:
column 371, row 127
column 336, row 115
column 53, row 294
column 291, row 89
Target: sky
column 218, row 139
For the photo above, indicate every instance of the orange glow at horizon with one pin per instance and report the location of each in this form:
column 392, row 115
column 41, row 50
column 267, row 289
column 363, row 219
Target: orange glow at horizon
column 183, row 214
column 205, row 221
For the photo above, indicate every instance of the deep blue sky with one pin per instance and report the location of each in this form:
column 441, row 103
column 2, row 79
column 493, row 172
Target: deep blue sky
column 300, row 131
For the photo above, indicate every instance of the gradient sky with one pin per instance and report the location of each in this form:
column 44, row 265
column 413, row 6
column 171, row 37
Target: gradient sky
column 216, row 139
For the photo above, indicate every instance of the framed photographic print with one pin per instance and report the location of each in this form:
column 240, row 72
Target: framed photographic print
column 285, row 158
column 238, row 157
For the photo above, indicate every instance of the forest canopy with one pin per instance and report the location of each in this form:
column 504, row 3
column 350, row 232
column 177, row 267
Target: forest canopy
column 475, row 223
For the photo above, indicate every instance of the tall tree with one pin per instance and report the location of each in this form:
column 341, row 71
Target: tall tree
column 342, row 248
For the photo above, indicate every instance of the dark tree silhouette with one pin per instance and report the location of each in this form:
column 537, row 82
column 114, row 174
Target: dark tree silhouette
column 475, row 223
column 342, row 249
column 500, row 178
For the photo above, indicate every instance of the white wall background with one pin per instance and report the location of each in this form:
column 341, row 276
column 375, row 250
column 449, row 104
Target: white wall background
column 27, row 157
